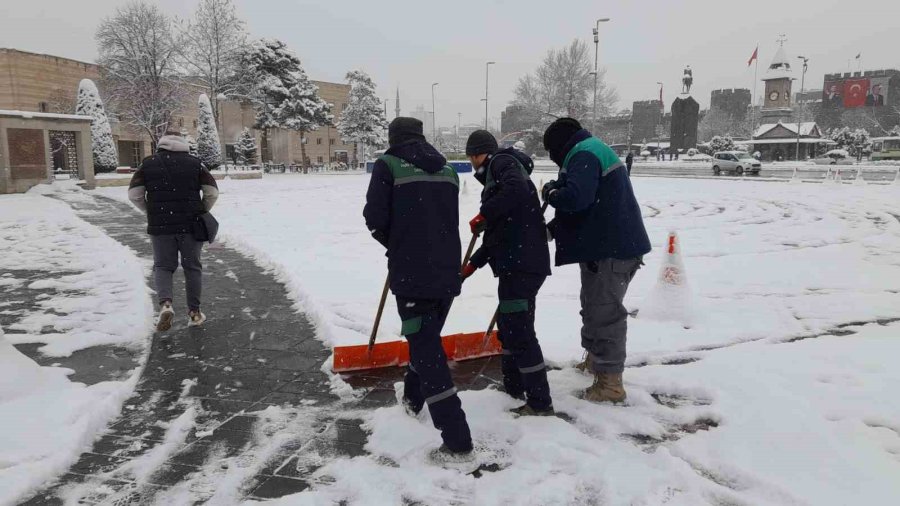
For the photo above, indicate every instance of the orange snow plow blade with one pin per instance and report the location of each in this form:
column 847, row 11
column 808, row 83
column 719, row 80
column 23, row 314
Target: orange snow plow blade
column 458, row 347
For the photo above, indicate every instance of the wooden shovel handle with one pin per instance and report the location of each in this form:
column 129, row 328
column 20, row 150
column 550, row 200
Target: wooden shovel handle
column 490, row 330
column 469, row 251
column 384, row 294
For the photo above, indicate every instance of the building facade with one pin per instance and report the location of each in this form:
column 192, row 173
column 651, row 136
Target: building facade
column 734, row 102
column 43, row 83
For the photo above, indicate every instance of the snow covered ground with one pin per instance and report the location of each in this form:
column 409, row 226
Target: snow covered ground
column 94, row 294
column 729, row 410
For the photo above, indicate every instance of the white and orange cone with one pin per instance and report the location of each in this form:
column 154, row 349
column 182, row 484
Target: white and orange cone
column 859, row 178
column 795, row 178
column 837, row 176
column 671, row 298
column 897, row 178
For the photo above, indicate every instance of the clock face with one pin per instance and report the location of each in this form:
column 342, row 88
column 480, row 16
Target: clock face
column 773, row 96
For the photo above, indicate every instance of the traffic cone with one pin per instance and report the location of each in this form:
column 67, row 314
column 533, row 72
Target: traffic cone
column 795, row 178
column 897, row 178
column 859, row 181
column 837, row 176
column 671, row 298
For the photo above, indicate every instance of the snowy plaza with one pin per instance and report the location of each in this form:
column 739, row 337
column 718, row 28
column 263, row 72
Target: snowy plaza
column 777, row 391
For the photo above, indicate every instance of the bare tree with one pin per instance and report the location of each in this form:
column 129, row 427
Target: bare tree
column 563, row 85
column 137, row 47
column 213, row 44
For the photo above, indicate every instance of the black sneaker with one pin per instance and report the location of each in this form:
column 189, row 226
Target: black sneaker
column 526, row 410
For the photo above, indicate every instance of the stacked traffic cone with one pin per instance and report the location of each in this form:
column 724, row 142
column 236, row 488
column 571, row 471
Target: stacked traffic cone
column 671, row 298
column 795, row 178
column 859, row 178
column 837, row 176
column 897, row 177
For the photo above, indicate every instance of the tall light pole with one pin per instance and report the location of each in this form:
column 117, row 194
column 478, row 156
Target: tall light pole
column 596, row 71
column 487, row 69
column 662, row 112
column 800, row 103
column 433, row 116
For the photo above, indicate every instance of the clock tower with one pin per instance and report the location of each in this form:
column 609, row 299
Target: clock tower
column 777, row 104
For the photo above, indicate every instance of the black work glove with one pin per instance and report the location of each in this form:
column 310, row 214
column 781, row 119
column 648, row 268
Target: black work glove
column 549, row 187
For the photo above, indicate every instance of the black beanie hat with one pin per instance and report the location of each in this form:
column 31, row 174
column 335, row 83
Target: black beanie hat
column 481, row 142
column 404, row 129
column 558, row 135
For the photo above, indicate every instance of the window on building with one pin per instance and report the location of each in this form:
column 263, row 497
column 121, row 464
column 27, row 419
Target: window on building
column 344, row 107
column 195, row 123
column 180, row 122
column 333, row 159
column 319, row 140
column 43, row 107
column 331, row 142
column 319, row 159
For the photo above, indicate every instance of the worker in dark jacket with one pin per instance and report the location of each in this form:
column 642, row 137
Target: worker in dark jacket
column 629, row 160
column 515, row 246
column 168, row 187
column 598, row 225
column 412, row 208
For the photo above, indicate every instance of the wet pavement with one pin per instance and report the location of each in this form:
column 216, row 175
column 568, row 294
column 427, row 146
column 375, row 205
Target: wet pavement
column 242, row 400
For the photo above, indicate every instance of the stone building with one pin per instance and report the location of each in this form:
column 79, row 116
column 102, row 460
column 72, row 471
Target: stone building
column 735, row 102
column 649, row 123
column 44, row 83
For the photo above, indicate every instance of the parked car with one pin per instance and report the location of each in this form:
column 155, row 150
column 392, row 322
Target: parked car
column 834, row 157
column 735, row 162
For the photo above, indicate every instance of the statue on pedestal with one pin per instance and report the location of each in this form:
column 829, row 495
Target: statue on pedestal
column 687, row 80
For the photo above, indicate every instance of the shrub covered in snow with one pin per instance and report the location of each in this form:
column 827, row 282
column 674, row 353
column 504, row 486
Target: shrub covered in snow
column 102, row 144
column 208, row 148
column 719, row 143
column 245, row 148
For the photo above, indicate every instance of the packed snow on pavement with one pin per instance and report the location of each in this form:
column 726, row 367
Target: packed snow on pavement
column 778, row 390
column 94, row 294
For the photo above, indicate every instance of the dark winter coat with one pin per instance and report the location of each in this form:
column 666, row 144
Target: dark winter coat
column 171, row 182
column 629, row 160
column 597, row 214
column 515, row 239
column 412, row 208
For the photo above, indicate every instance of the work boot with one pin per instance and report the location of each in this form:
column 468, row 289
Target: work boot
column 166, row 314
column 463, row 461
column 526, row 410
column 585, row 365
column 607, row 387
column 196, row 318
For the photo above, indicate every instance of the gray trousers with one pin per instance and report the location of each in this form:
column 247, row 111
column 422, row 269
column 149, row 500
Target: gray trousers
column 603, row 316
column 166, row 250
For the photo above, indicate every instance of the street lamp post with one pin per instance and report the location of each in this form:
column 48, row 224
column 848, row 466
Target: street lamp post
column 662, row 112
column 433, row 116
column 800, row 103
column 487, row 69
column 596, row 52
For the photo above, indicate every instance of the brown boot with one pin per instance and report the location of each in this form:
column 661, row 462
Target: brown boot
column 585, row 365
column 607, row 387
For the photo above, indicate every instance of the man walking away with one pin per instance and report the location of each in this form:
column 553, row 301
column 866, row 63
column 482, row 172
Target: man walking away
column 168, row 188
column 598, row 225
column 629, row 161
column 515, row 246
column 412, row 208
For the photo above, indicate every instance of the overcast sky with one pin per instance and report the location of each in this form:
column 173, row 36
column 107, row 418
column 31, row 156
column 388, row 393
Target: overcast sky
column 412, row 44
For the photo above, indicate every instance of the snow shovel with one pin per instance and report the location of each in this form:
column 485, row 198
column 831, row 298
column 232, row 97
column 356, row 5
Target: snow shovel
column 457, row 347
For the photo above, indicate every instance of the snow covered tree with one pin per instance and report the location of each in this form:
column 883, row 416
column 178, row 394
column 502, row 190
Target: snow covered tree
column 214, row 42
column 245, row 148
column 304, row 110
column 208, row 148
column 363, row 122
column 192, row 143
column 720, row 143
column 563, row 85
column 856, row 142
column 894, row 132
column 137, row 48
column 102, row 144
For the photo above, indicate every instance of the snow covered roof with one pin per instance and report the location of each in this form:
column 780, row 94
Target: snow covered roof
column 803, row 140
column 43, row 115
column 805, row 128
column 780, row 66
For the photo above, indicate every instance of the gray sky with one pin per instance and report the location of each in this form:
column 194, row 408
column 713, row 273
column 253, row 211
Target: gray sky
column 415, row 43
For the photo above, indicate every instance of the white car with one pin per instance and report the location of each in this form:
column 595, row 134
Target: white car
column 835, row 157
column 736, row 162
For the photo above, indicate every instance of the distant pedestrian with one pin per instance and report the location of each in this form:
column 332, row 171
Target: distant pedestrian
column 598, row 225
column 412, row 208
column 515, row 246
column 174, row 188
column 629, row 161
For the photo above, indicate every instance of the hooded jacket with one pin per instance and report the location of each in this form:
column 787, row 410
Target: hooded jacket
column 597, row 214
column 168, row 187
column 515, row 239
column 412, row 208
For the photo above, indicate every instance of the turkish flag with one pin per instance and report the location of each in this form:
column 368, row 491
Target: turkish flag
column 754, row 57
column 855, row 91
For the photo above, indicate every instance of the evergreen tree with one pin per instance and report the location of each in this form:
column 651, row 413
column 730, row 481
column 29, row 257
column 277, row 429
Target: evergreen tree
column 208, row 148
column 245, row 148
column 363, row 122
column 102, row 144
column 721, row 143
column 304, row 110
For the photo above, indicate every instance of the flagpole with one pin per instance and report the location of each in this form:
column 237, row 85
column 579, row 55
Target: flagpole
column 755, row 79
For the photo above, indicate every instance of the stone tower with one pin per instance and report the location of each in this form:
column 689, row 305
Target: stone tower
column 397, row 102
column 778, row 79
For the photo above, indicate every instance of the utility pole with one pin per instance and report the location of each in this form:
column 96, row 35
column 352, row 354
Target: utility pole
column 487, row 69
column 433, row 116
column 596, row 71
column 800, row 103
column 662, row 112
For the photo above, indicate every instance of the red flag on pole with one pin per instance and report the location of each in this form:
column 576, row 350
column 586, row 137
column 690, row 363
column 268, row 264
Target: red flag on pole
column 754, row 57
